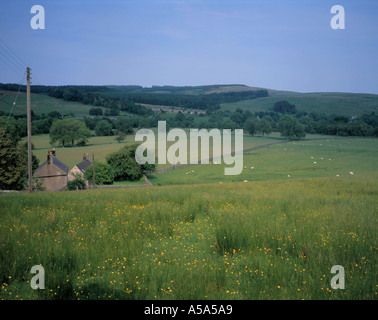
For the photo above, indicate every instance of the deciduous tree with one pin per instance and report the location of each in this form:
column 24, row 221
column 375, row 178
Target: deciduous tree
column 125, row 166
column 291, row 128
column 68, row 131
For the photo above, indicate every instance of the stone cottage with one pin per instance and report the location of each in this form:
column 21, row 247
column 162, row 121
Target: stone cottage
column 80, row 168
column 54, row 172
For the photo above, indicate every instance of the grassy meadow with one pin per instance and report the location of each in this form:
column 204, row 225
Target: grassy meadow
column 259, row 240
column 329, row 157
column 259, row 235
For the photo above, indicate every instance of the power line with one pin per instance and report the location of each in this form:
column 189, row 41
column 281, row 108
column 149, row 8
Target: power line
column 13, row 60
column 13, row 55
column 13, row 106
column 10, row 63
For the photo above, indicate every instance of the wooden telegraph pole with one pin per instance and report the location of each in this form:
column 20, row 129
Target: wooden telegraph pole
column 30, row 173
column 93, row 175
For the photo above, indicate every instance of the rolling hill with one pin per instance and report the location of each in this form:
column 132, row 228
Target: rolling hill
column 320, row 102
column 40, row 103
column 347, row 104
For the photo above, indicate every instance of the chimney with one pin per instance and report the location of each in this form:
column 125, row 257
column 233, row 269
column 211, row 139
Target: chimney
column 50, row 157
column 85, row 156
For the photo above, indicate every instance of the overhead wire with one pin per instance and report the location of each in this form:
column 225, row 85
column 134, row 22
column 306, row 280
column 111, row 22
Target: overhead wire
column 13, row 56
column 13, row 106
column 18, row 61
column 9, row 63
column 13, row 61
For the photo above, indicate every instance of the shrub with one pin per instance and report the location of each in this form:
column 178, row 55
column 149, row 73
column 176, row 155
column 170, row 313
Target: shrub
column 104, row 128
column 125, row 166
column 77, row 183
column 103, row 173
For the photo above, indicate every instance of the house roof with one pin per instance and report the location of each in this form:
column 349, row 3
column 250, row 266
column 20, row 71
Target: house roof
column 83, row 165
column 60, row 164
column 57, row 168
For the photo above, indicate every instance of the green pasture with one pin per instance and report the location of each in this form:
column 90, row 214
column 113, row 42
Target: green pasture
column 347, row 104
column 41, row 104
column 102, row 146
column 260, row 240
column 331, row 157
column 99, row 146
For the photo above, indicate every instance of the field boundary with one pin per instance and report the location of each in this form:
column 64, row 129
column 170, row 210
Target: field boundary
column 147, row 184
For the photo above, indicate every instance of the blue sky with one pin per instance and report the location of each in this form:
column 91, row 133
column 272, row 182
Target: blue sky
column 284, row 45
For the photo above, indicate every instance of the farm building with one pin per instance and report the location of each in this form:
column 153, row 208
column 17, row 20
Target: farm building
column 54, row 172
column 80, row 168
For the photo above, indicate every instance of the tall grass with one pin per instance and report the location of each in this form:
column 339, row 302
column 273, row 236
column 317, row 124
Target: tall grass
column 261, row 240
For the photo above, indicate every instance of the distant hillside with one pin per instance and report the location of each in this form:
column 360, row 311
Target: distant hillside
column 320, row 102
column 189, row 90
column 40, row 104
column 238, row 95
column 124, row 98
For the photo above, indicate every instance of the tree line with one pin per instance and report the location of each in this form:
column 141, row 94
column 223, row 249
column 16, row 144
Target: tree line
column 262, row 122
column 130, row 98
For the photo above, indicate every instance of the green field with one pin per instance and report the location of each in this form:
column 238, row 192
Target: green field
column 347, row 104
column 333, row 156
column 102, row 146
column 261, row 240
column 301, row 159
column 41, row 104
column 99, row 146
column 264, row 236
